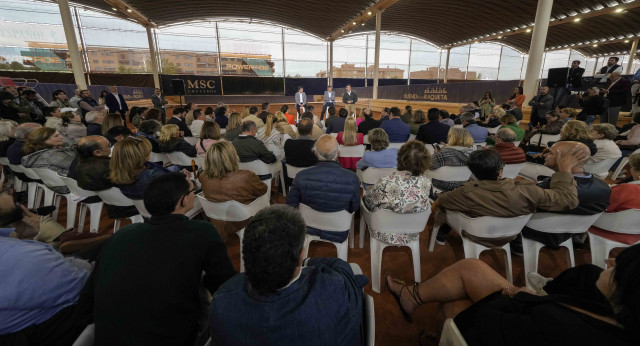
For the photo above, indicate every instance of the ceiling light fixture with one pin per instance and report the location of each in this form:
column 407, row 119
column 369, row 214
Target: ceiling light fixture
column 354, row 23
column 595, row 45
column 500, row 36
column 129, row 10
column 576, row 20
column 528, row 30
column 113, row 8
column 342, row 30
column 369, row 13
column 626, row 41
column 619, row 10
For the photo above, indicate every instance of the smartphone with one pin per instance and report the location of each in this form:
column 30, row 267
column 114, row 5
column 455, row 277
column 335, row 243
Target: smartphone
column 44, row 210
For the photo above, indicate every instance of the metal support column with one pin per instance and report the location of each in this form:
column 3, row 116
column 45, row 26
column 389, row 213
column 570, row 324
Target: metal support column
column 284, row 66
column 595, row 66
column 366, row 62
column 376, row 59
column 219, row 59
column 154, row 58
column 632, row 56
column 446, row 66
column 466, row 72
column 499, row 63
column 85, row 56
column 409, row 69
column 331, row 63
column 72, row 44
column 536, row 50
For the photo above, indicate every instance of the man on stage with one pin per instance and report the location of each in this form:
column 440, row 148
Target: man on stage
column 329, row 100
column 301, row 101
column 349, row 98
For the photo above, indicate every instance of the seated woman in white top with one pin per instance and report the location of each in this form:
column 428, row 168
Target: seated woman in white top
column 604, row 136
column 209, row 135
column 196, row 124
column 271, row 137
column 406, row 191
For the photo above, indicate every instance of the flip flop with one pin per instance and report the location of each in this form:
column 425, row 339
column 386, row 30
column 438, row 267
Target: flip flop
column 395, row 296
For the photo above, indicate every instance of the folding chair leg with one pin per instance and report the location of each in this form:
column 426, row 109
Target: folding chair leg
column 363, row 230
column 96, row 213
column 376, row 263
column 507, row 262
column 415, row 254
column 81, row 217
column 71, row 212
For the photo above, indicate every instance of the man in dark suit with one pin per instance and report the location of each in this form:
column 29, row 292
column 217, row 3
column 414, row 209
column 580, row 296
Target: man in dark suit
column 116, row 103
column 618, row 91
column 159, row 103
column 337, row 123
column 178, row 119
column 434, row 131
column 368, row 124
column 349, row 98
column 574, row 82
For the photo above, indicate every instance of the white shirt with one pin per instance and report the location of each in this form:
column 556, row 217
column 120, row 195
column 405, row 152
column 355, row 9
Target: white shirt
column 603, row 76
column 117, row 99
column 195, row 127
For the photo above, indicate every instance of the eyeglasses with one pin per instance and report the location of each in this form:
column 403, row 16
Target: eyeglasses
column 190, row 191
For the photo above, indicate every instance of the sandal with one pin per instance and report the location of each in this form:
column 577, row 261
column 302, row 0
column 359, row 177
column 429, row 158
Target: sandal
column 413, row 292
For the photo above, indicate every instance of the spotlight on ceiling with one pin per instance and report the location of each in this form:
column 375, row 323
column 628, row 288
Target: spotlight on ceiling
column 129, row 10
column 618, row 10
column 354, row 23
column 342, row 30
column 576, row 20
column 113, row 8
column 528, row 30
column 595, row 45
column 369, row 13
column 626, row 41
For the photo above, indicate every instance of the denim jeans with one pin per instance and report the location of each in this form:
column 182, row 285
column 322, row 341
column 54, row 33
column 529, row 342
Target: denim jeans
column 590, row 119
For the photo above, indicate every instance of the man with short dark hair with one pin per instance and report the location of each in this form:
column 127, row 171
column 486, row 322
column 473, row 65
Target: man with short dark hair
column 253, row 117
column 384, row 114
column 540, row 105
column 316, row 131
column 118, row 133
column 606, row 71
column 178, row 119
column 476, row 131
column 265, row 111
column 222, row 119
column 149, row 294
column 37, row 108
column 433, row 132
column 116, row 103
column 336, row 124
column 397, row 130
column 445, row 119
column 331, row 111
column 159, row 103
column 301, row 100
column 88, row 104
column 249, row 148
column 148, row 129
column 280, row 291
column 510, row 154
column 329, row 100
column 515, row 110
column 368, row 124
column 574, row 82
column 299, row 152
column 349, row 98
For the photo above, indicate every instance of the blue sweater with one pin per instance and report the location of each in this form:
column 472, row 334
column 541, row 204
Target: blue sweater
column 387, row 158
column 397, row 130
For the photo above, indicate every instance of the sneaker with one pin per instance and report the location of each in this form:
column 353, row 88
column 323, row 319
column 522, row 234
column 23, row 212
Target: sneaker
column 538, row 282
column 440, row 239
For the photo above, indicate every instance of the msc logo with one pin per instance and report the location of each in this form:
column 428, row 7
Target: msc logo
column 201, row 84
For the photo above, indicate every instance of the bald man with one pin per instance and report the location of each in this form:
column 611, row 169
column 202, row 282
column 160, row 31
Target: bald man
column 326, row 187
column 593, row 193
column 493, row 196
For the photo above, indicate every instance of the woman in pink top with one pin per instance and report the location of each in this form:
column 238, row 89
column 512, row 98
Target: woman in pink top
column 209, row 135
column 363, row 114
column 350, row 137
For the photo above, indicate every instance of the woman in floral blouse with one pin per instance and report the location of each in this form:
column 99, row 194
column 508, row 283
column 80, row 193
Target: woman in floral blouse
column 405, row 191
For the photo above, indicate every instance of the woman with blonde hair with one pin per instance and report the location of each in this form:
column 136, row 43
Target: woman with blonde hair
column 222, row 180
column 455, row 153
column 417, row 119
column 209, row 135
column 7, row 135
column 170, row 141
column 364, row 114
column 283, row 125
column 111, row 120
column 350, row 137
column 130, row 168
column 271, row 137
column 578, row 131
column 245, row 112
column 234, row 127
column 567, row 114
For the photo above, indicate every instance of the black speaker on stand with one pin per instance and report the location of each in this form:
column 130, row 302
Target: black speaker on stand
column 178, row 88
column 557, row 78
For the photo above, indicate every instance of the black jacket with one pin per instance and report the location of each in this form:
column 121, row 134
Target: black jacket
column 353, row 97
column 575, row 77
column 619, row 93
column 92, row 174
column 298, row 152
column 250, row 149
column 367, row 125
column 590, row 106
column 177, row 144
column 182, row 126
column 433, row 132
column 516, row 112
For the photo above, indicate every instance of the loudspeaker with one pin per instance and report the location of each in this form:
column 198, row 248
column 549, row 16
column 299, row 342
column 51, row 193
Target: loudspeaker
column 557, row 76
column 178, row 87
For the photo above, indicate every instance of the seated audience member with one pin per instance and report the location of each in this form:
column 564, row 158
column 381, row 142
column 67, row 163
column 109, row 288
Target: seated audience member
column 130, row 168
column 316, row 130
column 7, row 135
column 14, row 151
column 208, row 114
column 72, row 127
column 578, row 131
column 137, row 115
column 291, row 119
column 336, row 124
column 109, row 121
column 221, row 117
column 253, row 111
column 417, row 119
column 222, row 181
column 553, row 127
column 585, row 305
column 593, row 195
column 567, row 114
column 209, row 135
column 445, row 119
column 94, row 123
column 395, row 128
column 477, row 132
column 384, row 115
column 148, row 129
column 493, row 119
column 126, row 309
column 630, row 144
column 234, row 127
column 405, row 191
column 368, row 124
column 281, row 289
column 43, row 149
column 40, row 288
column 153, row 114
column 515, row 111
column 604, row 136
column 8, row 111
column 434, row 131
column 326, row 187
column 118, row 133
column 249, row 148
column 245, row 112
column 188, row 118
column 178, row 119
column 362, row 115
column 92, row 169
column 493, row 196
column 592, row 105
column 299, row 152
column 455, row 153
column 380, row 156
column 509, row 153
column 196, row 124
column 407, row 115
column 508, row 121
column 283, row 126
column 170, row 141
column 59, row 100
column 264, row 111
column 349, row 138
column 52, row 117
column 272, row 138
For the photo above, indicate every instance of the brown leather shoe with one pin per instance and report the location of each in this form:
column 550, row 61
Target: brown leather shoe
column 74, row 241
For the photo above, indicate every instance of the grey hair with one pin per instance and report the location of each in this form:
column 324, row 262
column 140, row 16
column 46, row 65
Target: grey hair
column 91, row 116
column 609, row 131
column 468, row 117
column 330, row 156
column 7, row 128
column 506, row 135
column 23, row 131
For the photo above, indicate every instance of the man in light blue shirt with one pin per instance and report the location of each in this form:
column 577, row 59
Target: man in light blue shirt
column 478, row 133
column 395, row 128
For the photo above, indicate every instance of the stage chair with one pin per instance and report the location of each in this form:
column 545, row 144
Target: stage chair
column 616, row 226
column 94, row 208
column 338, row 221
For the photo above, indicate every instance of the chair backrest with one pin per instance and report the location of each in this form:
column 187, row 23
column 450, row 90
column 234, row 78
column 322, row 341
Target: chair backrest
column 285, row 137
column 139, row 203
column 199, row 161
column 511, row 171
column 625, row 221
column 49, row 177
column 29, row 172
column 458, row 126
column 487, row 226
column 16, row 168
column 366, row 139
column 338, row 221
column 258, row 167
column 395, row 145
column 179, row 158
column 114, row 196
column 158, row 157
column 223, row 132
column 601, row 168
column 412, row 137
column 430, row 148
column 561, row 223
column 4, row 161
column 543, row 139
column 493, row 130
column 450, row 173
column 75, row 189
column 293, row 170
column 402, row 223
column 191, row 140
column 231, row 210
column 334, row 134
column 351, row 150
column 451, row 335
column 371, row 175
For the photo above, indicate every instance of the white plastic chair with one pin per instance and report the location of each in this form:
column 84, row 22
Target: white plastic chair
column 338, row 221
column 449, row 173
column 493, row 130
column 485, row 227
column 371, row 175
column 139, row 203
column 369, row 321
column 365, row 139
column 34, row 188
column 232, row 211
column 179, row 158
column 51, row 178
column 451, row 335
column 430, row 148
column 87, row 337
column 601, row 169
column 544, row 142
column 395, row 145
column 625, row 222
column 334, row 134
column 192, row 140
column 114, row 196
column 511, row 171
column 158, row 157
column 351, row 150
column 292, row 171
column 223, row 133
column 94, row 208
column 260, row 168
column 412, row 137
column 553, row 223
column 618, row 170
column 387, row 221
column 4, row 161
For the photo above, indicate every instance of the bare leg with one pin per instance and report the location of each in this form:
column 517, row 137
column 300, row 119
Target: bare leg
column 467, row 279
